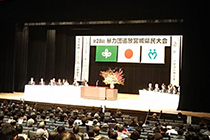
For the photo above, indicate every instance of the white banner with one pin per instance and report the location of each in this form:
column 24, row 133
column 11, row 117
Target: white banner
column 153, row 54
column 175, row 57
column 86, row 55
column 78, row 58
column 140, row 40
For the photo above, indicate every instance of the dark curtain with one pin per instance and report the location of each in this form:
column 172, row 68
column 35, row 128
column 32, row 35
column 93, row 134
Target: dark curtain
column 195, row 78
column 21, row 57
column 137, row 76
column 7, row 39
column 43, row 53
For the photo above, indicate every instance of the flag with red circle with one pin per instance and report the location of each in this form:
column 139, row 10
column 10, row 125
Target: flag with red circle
column 128, row 53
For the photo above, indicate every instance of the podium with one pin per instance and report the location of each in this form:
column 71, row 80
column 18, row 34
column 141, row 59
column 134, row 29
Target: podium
column 98, row 93
column 111, row 94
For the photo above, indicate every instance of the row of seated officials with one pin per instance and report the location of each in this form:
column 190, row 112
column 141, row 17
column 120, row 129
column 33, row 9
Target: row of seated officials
column 20, row 121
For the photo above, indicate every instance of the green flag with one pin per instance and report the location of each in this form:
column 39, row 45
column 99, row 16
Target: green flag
column 106, row 53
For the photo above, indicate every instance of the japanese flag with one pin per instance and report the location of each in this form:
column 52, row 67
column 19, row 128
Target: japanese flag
column 129, row 53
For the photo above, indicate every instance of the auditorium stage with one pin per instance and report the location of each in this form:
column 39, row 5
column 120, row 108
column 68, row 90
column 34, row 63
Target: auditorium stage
column 124, row 101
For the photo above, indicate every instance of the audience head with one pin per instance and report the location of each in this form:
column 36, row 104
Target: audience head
column 41, row 124
column 7, row 132
column 112, row 134
column 76, row 129
column 120, row 128
column 180, row 132
column 66, row 136
column 91, row 134
column 71, row 122
column 105, row 127
column 30, row 122
column 52, row 135
column 19, row 129
column 135, row 135
column 42, row 133
column 96, row 130
column 60, row 129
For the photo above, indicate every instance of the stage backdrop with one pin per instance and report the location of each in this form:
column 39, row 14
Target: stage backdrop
column 144, row 59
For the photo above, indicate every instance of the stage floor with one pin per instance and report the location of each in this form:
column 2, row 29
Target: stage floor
column 124, row 101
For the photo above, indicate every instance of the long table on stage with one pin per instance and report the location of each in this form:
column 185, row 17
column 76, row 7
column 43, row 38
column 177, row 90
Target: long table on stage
column 56, row 94
column 162, row 100
column 71, row 95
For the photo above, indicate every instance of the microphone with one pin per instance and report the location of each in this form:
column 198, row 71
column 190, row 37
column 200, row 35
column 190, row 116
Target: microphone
column 97, row 83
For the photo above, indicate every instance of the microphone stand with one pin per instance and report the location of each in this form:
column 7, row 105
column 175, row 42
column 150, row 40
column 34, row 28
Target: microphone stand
column 97, row 83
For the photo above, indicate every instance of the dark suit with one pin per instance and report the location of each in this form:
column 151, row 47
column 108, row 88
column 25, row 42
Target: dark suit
column 31, row 83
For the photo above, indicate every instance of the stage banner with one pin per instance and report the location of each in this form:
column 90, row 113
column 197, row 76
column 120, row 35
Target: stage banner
column 153, row 54
column 106, row 54
column 175, row 60
column 130, row 40
column 78, row 58
column 85, row 58
column 128, row 53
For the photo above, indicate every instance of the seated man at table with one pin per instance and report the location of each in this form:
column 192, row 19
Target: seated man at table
column 75, row 83
column 85, row 82
column 52, row 83
column 59, row 83
column 156, row 88
column 31, row 82
column 150, row 88
column 66, row 83
column 41, row 82
column 163, row 88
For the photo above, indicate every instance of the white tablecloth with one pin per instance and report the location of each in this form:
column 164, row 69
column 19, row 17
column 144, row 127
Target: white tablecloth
column 159, row 100
column 56, row 94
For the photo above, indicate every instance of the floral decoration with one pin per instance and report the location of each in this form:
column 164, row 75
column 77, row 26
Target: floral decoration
column 114, row 76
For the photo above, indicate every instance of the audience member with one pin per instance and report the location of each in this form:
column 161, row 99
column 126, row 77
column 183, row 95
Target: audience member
column 76, row 131
column 15, row 111
column 135, row 135
column 7, row 132
column 70, row 123
column 66, row 136
column 30, row 122
column 112, row 135
column 120, row 132
column 157, row 134
column 104, row 129
column 60, row 129
column 53, row 135
column 42, row 133
column 207, row 132
column 19, row 129
column 96, row 130
column 180, row 134
column 91, row 135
